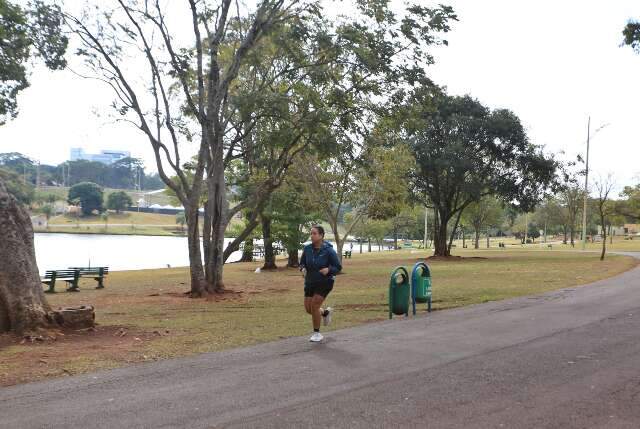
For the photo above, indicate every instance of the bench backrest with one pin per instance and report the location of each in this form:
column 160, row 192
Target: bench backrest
column 62, row 274
column 92, row 270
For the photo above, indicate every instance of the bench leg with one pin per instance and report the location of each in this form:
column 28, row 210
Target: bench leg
column 72, row 286
column 100, row 283
column 52, row 287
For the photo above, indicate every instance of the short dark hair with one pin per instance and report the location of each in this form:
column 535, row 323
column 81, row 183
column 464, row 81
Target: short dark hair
column 318, row 228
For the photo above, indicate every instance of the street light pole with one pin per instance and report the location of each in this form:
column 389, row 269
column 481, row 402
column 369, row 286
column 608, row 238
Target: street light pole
column 586, row 191
column 586, row 183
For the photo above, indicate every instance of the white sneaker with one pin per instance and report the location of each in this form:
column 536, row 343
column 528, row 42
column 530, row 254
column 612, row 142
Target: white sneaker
column 316, row 337
column 327, row 319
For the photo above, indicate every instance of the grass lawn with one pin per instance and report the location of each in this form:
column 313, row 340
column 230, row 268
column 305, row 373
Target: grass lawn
column 62, row 193
column 119, row 223
column 129, row 223
column 144, row 315
column 118, row 218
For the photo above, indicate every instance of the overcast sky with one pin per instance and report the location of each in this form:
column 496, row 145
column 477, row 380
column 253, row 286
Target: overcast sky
column 552, row 62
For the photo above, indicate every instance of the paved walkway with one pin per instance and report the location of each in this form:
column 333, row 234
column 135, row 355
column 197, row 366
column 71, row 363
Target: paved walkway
column 566, row 359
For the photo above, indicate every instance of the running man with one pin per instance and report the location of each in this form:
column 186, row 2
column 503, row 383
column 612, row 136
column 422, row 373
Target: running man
column 319, row 265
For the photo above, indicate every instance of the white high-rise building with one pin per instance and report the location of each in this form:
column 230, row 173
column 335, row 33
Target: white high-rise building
column 105, row 156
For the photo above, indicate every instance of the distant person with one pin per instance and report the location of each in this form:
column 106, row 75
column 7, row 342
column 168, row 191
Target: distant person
column 319, row 265
column 351, row 246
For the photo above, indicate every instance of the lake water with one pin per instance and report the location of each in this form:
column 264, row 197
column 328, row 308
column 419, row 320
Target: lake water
column 118, row 252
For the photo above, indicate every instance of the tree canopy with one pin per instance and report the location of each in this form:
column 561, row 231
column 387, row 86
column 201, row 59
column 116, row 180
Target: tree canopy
column 464, row 151
column 28, row 30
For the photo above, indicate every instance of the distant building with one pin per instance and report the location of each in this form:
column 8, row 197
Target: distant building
column 631, row 228
column 105, row 156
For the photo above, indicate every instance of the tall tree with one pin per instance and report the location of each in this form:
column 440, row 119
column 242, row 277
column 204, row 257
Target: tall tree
column 373, row 184
column 23, row 307
column 549, row 215
column 605, row 208
column 630, row 204
column 16, row 186
column 465, row 151
column 292, row 217
column 571, row 197
column 28, row 32
column 483, row 214
column 185, row 97
column 193, row 91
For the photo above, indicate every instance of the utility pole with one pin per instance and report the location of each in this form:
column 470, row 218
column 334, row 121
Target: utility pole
column 586, row 183
column 586, row 191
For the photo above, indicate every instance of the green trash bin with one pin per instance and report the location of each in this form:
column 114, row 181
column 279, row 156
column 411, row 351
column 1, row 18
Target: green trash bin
column 421, row 285
column 399, row 292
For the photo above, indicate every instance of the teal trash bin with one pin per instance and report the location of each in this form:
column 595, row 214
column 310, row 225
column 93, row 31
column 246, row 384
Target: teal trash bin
column 421, row 285
column 399, row 292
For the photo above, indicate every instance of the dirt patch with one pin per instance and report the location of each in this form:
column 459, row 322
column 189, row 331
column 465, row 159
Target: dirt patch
column 60, row 355
column 362, row 306
column 225, row 295
column 451, row 258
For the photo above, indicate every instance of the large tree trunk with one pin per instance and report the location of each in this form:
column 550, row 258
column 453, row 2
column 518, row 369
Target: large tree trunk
column 23, row 307
column 336, row 237
column 604, row 238
column 269, row 254
column 564, row 230
column 440, row 237
column 395, row 238
column 217, row 210
column 215, row 263
column 196, row 269
column 206, row 238
column 477, row 243
column 572, row 233
column 453, row 231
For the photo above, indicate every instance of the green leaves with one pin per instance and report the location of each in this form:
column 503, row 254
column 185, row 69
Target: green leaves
column 464, row 151
column 631, row 35
column 34, row 30
column 89, row 195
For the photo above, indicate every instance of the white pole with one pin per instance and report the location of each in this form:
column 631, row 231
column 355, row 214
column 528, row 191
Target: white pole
column 586, row 185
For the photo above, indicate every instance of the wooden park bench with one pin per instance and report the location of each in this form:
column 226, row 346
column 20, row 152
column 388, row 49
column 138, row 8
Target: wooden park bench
column 96, row 273
column 70, row 276
column 347, row 254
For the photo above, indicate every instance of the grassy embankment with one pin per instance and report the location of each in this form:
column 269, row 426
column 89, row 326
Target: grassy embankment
column 144, row 315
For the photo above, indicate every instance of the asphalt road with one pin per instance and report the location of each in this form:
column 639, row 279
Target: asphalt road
column 566, row 359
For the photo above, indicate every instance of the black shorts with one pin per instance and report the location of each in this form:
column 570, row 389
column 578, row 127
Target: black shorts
column 322, row 290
